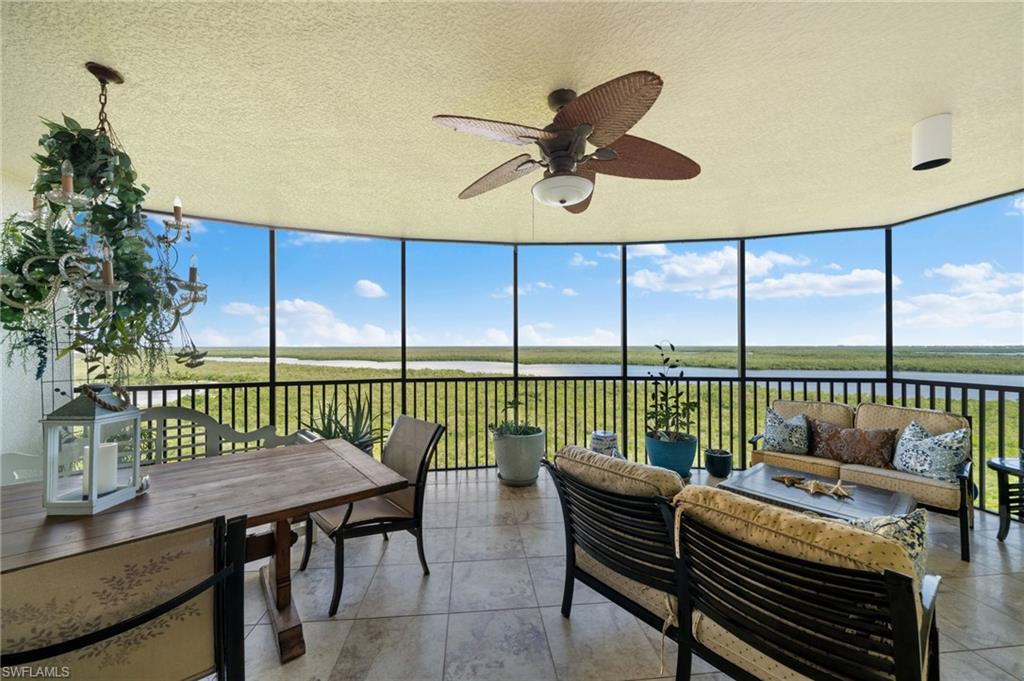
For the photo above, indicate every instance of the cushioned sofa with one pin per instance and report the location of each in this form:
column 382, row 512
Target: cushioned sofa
column 621, row 540
column 938, row 495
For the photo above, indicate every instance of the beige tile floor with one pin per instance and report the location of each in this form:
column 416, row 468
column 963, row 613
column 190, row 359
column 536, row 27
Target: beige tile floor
column 489, row 608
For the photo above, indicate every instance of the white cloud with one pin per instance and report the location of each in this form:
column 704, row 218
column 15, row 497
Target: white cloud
column 834, row 266
column 977, row 277
column 543, row 284
column 579, row 261
column 506, row 291
column 980, row 299
column 857, row 282
column 647, row 251
column 494, row 336
column 569, row 292
column 238, row 309
column 608, row 255
column 210, row 338
column 533, row 334
column 1016, row 206
column 305, row 238
column 365, row 288
column 307, row 322
column 699, row 273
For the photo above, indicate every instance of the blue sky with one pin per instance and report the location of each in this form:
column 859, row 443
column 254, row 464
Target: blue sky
column 960, row 280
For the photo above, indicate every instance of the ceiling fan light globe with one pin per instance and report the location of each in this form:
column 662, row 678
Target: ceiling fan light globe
column 562, row 190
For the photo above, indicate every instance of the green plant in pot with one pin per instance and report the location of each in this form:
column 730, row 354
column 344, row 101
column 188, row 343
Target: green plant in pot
column 667, row 419
column 518, row 448
column 353, row 424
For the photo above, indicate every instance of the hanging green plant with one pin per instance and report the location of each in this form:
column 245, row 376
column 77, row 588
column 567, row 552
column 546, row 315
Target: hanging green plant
column 82, row 272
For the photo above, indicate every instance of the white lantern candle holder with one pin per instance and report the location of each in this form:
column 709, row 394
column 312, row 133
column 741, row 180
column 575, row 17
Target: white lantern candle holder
column 92, row 453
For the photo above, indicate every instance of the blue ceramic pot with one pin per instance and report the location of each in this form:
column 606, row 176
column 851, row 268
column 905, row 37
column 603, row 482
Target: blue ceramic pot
column 675, row 456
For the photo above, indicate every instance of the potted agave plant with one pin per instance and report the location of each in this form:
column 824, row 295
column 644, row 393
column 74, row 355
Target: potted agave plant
column 667, row 419
column 353, row 424
column 518, row 448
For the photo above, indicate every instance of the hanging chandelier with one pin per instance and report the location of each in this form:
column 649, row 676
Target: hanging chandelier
column 87, row 237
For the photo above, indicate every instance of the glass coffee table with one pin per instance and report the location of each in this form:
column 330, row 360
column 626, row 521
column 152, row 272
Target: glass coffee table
column 756, row 482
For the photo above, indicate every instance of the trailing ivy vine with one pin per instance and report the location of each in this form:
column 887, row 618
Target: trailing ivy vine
column 138, row 326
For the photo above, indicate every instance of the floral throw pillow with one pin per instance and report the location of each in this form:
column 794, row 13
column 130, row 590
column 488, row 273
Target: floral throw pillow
column 910, row 530
column 781, row 435
column 872, row 447
column 933, row 456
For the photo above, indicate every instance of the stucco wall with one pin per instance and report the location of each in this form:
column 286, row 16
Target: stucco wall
column 25, row 400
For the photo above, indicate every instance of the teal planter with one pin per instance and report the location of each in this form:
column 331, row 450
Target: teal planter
column 675, row 456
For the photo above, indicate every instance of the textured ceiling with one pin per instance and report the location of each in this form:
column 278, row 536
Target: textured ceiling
column 317, row 115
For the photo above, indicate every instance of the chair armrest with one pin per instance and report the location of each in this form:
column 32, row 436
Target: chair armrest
column 964, row 472
column 753, row 440
column 929, row 590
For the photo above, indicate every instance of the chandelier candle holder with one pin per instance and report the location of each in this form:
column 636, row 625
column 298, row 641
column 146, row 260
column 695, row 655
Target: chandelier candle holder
column 92, row 453
column 87, row 238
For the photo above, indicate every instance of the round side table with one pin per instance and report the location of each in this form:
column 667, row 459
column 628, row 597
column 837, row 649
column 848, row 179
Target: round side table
column 1011, row 497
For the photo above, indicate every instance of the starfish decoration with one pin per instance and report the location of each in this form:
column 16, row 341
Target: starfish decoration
column 839, row 491
column 788, row 480
column 815, row 487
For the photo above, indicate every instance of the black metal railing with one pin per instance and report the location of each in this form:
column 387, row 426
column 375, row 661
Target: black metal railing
column 728, row 410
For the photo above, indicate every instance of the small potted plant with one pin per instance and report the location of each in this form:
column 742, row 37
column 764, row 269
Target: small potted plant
column 667, row 420
column 353, row 424
column 718, row 462
column 518, row 448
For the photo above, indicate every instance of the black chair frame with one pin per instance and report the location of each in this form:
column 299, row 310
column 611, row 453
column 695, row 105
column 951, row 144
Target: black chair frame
column 627, row 534
column 827, row 623
column 373, row 526
column 227, row 583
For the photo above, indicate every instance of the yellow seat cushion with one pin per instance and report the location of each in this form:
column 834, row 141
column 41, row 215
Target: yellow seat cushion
column 873, row 416
column 924, row 490
column 799, row 462
column 617, row 475
column 830, row 412
column 718, row 640
column 794, row 534
column 649, row 598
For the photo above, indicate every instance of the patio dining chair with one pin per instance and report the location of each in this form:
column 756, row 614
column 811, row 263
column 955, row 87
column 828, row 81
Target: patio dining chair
column 408, row 451
column 167, row 606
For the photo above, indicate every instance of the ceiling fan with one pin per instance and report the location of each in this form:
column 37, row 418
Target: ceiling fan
column 601, row 116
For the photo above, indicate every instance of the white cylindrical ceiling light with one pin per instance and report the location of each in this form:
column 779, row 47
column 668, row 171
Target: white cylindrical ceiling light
column 932, row 142
column 562, row 190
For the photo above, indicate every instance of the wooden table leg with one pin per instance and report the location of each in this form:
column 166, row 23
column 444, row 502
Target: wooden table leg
column 276, row 579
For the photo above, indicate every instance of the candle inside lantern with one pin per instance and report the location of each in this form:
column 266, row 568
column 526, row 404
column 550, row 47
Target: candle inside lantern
column 67, row 177
column 105, row 467
column 193, row 269
column 177, row 208
column 107, row 267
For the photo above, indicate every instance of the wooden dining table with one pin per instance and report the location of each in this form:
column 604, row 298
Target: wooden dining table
column 272, row 486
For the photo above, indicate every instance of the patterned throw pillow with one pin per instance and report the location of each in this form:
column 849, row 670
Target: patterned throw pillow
column 933, row 456
column 853, row 445
column 781, row 435
column 910, row 530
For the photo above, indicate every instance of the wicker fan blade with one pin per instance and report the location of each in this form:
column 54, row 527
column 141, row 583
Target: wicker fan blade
column 583, row 171
column 613, row 107
column 513, row 133
column 640, row 158
column 503, row 174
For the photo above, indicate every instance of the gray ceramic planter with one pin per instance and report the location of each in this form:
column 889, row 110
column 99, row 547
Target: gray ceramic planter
column 518, row 458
